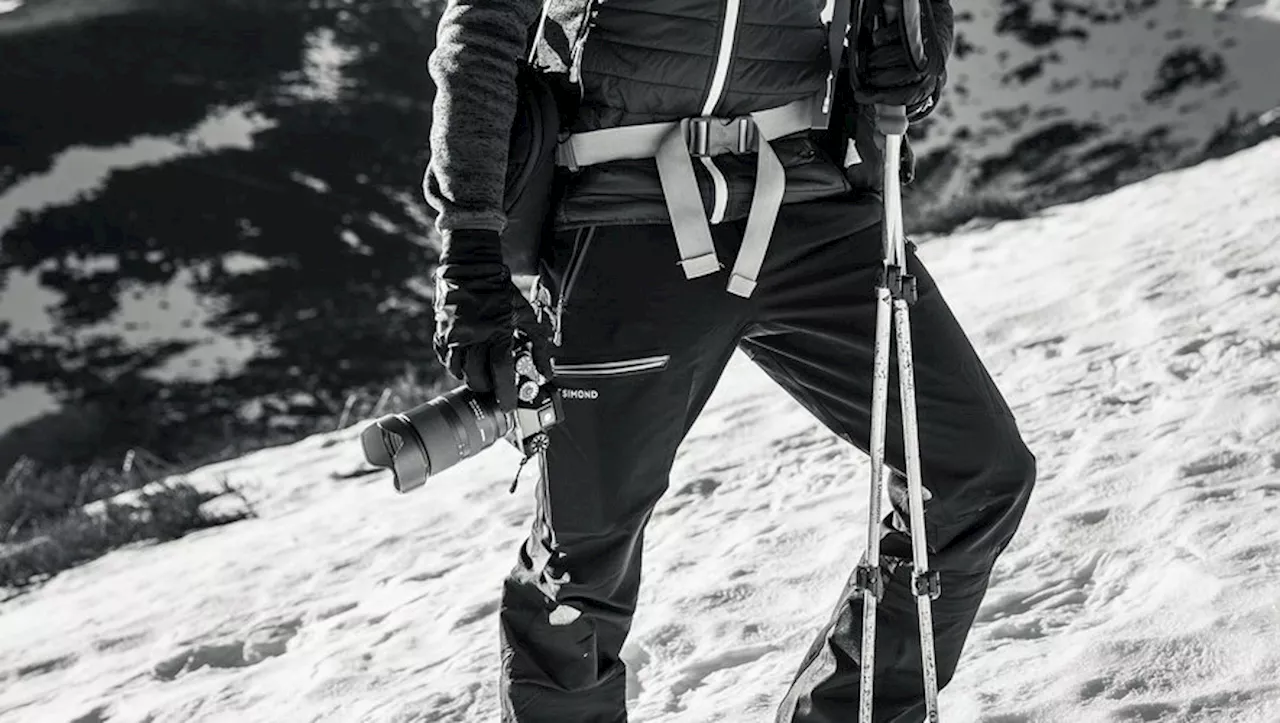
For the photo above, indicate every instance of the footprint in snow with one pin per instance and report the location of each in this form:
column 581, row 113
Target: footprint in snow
column 803, row 442
column 1215, row 495
column 1030, row 614
column 117, row 642
column 258, row 644
column 43, row 667
column 99, row 714
column 1051, row 346
column 702, row 487
column 428, row 575
column 334, row 611
column 1216, row 462
column 1246, row 271
column 1266, row 289
column 1088, row 517
column 476, row 613
column 695, row 673
column 1268, row 490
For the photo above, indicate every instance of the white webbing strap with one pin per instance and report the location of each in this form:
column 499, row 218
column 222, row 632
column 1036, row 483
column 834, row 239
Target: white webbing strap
column 672, row 145
column 684, row 204
column 766, row 201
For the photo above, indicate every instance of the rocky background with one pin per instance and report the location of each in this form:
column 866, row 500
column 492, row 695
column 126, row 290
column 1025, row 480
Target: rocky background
column 209, row 213
column 1055, row 100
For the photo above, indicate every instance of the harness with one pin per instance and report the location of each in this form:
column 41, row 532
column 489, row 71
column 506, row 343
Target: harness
column 674, row 145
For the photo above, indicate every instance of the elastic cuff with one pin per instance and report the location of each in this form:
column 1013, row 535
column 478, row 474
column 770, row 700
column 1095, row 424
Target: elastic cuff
column 468, row 246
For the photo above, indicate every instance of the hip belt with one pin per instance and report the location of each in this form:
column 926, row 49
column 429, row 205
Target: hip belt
column 673, row 145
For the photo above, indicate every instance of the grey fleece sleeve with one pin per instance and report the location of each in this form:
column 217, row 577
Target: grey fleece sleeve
column 478, row 44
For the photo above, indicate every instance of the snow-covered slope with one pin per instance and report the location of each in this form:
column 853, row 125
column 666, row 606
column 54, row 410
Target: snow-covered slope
column 1057, row 97
column 1136, row 337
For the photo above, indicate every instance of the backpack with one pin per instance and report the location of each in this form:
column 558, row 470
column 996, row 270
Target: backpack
column 531, row 172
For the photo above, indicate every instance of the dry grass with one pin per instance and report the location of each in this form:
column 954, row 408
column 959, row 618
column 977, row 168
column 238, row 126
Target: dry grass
column 965, row 211
column 48, row 528
column 408, row 390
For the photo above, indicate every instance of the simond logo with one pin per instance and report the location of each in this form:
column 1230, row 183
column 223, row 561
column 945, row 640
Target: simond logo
column 579, row 394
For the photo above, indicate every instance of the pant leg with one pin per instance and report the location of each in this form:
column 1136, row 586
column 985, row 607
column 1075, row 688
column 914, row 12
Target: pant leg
column 814, row 335
column 642, row 350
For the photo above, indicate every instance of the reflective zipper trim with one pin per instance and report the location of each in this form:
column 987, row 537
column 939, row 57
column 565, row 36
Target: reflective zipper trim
column 719, row 190
column 613, row 369
column 575, row 64
column 732, row 10
column 719, row 78
column 579, row 47
column 581, row 243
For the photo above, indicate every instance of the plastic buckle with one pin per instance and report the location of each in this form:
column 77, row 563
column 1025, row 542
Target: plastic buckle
column 927, row 584
column 869, row 579
column 748, row 135
column 698, row 136
column 708, row 136
column 902, row 287
column 565, row 157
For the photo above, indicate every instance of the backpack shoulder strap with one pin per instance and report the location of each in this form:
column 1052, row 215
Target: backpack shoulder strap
column 837, row 31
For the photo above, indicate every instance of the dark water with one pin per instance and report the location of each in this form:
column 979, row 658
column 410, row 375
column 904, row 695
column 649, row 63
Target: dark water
column 326, row 197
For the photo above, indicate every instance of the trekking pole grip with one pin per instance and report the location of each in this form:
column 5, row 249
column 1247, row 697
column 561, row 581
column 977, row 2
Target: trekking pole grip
column 891, row 120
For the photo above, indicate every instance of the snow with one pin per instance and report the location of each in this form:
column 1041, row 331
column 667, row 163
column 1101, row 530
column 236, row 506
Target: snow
column 1135, row 336
column 1025, row 71
column 82, row 170
column 170, row 311
column 22, row 402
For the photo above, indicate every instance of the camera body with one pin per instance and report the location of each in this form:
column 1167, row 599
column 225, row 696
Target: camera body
column 459, row 424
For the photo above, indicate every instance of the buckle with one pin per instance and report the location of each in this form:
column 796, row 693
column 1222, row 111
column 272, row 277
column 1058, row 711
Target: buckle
column 869, row 579
column 708, row 136
column 927, row 584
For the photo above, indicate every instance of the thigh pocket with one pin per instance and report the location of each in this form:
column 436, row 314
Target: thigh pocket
column 611, row 369
column 623, row 419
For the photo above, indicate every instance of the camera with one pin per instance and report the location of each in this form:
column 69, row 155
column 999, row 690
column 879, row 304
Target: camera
column 454, row 426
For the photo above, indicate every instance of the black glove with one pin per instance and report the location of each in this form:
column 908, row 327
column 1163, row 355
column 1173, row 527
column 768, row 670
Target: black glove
column 886, row 74
column 480, row 315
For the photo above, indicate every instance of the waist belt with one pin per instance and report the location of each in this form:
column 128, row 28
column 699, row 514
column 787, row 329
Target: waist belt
column 674, row 144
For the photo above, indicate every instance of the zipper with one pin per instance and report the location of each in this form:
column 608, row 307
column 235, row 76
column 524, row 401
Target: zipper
column 719, row 79
column 581, row 242
column 580, row 44
column 621, row 368
column 728, row 35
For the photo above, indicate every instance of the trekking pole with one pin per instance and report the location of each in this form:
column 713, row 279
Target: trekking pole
column 895, row 293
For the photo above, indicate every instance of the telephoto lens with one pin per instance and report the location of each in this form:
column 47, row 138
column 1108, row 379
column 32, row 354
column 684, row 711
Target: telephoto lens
column 434, row 436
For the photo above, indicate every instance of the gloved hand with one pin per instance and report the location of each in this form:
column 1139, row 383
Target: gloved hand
column 885, row 72
column 479, row 313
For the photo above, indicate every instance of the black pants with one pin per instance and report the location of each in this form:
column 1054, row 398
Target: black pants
column 643, row 348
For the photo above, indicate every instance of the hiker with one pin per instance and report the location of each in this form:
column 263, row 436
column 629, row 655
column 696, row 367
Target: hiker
column 673, row 249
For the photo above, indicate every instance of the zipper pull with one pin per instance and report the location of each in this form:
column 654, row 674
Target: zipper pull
column 556, row 325
column 575, row 64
